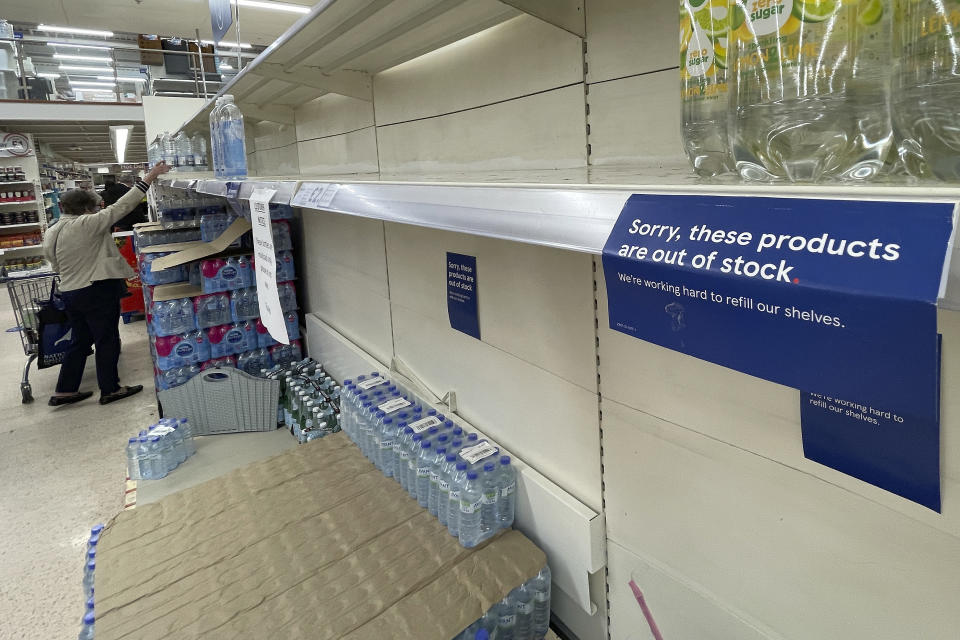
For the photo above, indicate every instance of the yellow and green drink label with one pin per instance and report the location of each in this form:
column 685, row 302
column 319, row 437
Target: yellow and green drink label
column 704, row 31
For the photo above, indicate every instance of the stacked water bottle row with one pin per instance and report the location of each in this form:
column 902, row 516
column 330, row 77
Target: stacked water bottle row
column 178, row 209
column 458, row 477
column 523, row 615
column 89, row 568
column 159, row 449
column 309, row 404
column 180, row 151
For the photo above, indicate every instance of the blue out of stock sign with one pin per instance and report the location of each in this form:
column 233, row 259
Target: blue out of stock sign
column 221, row 18
column 462, row 305
column 836, row 298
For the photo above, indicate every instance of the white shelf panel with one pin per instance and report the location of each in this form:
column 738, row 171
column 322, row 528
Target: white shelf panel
column 339, row 45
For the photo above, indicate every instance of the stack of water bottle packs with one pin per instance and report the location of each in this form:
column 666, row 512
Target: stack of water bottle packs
column 309, row 404
column 460, row 478
column 159, row 449
column 523, row 615
column 89, row 568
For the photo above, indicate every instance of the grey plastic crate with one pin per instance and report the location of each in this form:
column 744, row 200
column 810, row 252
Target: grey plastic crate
column 224, row 400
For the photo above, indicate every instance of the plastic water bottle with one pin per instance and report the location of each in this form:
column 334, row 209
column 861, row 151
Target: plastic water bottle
column 541, row 602
column 433, row 489
column 184, row 424
column 233, row 138
column 444, row 477
column 424, row 462
column 522, row 597
column 413, row 454
column 168, row 149
column 88, row 573
column 199, row 145
column 507, row 483
column 155, row 458
column 808, row 89
column 457, row 480
column 926, row 88
column 507, row 614
column 86, row 631
column 133, row 462
column 704, row 29
column 143, row 457
column 216, row 146
column 184, row 151
column 471, row 503
column 489, row 524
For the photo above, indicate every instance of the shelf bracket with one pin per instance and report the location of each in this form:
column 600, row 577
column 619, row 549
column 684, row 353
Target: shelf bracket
column 355, row 84
column 566, row 14
column 282, row 115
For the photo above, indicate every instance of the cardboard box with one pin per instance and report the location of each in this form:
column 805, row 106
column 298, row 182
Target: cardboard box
column 314, row 543
column 190, row 251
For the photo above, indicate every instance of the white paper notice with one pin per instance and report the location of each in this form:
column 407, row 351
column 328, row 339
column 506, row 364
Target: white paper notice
column 266, row 259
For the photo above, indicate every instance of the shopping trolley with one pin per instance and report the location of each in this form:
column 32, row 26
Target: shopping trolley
column 27, row 293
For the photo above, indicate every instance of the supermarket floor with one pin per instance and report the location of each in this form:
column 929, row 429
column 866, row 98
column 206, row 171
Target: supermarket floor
column 61, row 471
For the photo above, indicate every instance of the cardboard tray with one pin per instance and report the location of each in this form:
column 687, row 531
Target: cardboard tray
column 313, row 543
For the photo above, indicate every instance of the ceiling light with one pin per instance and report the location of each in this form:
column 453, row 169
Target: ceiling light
column 226, row 66
column 272, row 6
column 48, row 75
column 174, row 93
column 67, row 56
column 85, row 32
column 76, row 46
column 182, row 80
column 68, row 67
column 225, row 45
column 122, row 79
column 119, row 136
column 85, row 83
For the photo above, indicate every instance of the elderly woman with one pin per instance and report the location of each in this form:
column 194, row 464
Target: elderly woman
column 92, row 281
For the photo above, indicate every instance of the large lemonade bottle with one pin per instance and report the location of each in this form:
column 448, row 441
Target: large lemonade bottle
column 926, row 86
column 808, row 82
column 704, row 28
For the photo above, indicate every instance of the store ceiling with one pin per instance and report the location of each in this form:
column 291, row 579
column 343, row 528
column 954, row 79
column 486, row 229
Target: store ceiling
column 87, row 142
column 163, row 17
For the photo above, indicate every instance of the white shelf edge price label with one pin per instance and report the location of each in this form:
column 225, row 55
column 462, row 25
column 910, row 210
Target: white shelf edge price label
column 271, row 314
column 315, row 195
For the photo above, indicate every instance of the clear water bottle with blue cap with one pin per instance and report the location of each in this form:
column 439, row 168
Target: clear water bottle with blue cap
column 457, row 480
column 133, row 460
column 439, row 458
column 471, row 501
column 507, row 482
column 402, row 455
column 424, row 461
column 155, row 459
column 507, row 614
column 443, row 486
column 541, row 602
column 143, row 456
column 88, row 572
column 523, row 600
column 413, row 453
column 86, row 630
column 489, row 523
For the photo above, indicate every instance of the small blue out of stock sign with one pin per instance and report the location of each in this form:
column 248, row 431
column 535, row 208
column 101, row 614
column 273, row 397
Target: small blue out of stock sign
column 836, row 298
column 462, row 305
column 221, row 18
